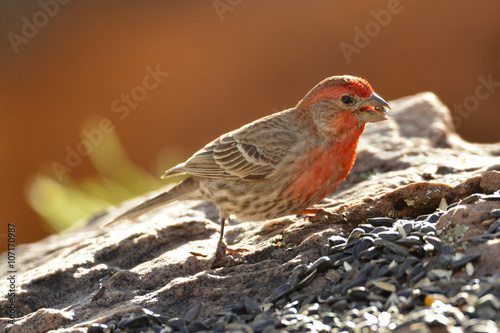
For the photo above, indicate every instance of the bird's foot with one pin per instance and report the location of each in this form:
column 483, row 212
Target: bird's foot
column 310, row 211
column 321, row 215
column 221, row 259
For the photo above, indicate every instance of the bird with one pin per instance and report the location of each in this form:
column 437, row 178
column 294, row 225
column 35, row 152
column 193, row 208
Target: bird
column 281, row 164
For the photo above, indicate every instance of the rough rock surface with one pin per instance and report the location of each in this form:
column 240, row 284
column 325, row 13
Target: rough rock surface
column 408, row 166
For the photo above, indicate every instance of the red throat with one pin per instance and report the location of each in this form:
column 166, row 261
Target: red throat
column 321, row 171
column 346, row 125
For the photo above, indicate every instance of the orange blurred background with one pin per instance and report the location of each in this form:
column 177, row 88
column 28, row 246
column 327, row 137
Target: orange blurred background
column 228, row 63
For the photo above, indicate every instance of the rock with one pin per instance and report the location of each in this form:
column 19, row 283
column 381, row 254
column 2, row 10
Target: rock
column 406, row 167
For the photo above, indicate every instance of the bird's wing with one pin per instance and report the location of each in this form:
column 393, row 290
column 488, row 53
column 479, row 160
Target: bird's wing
column 250, row 153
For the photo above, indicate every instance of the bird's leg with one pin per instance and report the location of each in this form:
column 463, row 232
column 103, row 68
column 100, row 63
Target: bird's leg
column 221, row 238
column 221, row 259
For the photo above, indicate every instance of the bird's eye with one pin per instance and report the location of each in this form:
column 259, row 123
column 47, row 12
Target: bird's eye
column 347, row 99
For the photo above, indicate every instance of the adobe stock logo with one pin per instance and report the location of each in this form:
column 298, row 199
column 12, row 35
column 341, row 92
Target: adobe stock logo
column 483, row 90
column 363, row 37
column 225, row 6
column 121, row 106
column 30, row 28
column 138, row 93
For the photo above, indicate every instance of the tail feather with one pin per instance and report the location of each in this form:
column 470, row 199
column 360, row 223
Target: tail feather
column 185, row 190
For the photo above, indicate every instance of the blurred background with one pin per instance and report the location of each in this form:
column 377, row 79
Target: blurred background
column 98, row 98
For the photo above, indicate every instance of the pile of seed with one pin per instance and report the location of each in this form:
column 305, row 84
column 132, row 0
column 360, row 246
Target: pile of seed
column 386, row 275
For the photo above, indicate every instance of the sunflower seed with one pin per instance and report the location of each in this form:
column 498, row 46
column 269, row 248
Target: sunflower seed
column 336, row 240
column 322, row 264
column 308, row 279
column 495, row 226
column 471, row 199
column 357, row 293
column 385, row 286
column 193, row 313
column 389, row 235
column 405, row 266
column 409, row 241
column 380, row 221
column 279, row 293
column 356, row 233
column 458, row 264
column 366, row 227
column 370, row 253
column 251, row 306
column 363, row 244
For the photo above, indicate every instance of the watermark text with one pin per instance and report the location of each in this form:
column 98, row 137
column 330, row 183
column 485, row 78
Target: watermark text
column 91, row 138
column 223, row 6
column 485, row 87
column 363, row 36
column 31, row 27
column 11, row 272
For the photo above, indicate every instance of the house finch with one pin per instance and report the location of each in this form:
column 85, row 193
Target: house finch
column 280, row 164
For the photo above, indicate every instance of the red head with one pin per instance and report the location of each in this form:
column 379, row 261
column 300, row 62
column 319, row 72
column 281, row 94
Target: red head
column 335, row 86
column 339, row 103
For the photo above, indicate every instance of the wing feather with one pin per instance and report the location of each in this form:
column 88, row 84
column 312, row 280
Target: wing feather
column 250, row 153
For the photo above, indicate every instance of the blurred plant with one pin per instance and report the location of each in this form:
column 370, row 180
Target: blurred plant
column 61, row 204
